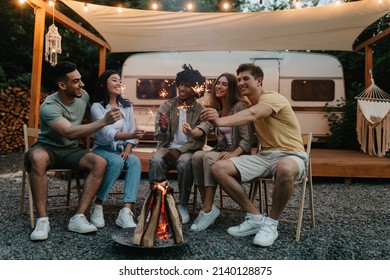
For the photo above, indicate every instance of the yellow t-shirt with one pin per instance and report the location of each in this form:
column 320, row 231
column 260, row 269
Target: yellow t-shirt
column 281, row 130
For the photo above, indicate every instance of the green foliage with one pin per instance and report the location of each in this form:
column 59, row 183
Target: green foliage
column 343, row 126
column 16, row 36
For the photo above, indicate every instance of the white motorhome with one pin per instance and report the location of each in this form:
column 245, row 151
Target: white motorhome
column 307, row 80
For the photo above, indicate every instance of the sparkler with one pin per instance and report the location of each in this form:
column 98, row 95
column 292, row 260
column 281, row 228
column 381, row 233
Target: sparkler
column 199, row 89
column 163, row 93
column 150, row 118
column 182, row 115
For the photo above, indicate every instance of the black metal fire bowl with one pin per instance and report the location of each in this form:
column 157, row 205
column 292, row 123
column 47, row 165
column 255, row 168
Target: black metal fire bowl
column 125, row 237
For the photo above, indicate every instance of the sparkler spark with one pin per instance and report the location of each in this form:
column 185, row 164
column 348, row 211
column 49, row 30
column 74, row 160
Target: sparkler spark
column 163, row 93
column 199, row 89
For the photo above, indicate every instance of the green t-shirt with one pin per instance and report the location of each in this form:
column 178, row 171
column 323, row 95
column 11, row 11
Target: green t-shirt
column 52, row 109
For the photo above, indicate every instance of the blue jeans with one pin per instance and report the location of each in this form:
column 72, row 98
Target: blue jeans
column 115, row 166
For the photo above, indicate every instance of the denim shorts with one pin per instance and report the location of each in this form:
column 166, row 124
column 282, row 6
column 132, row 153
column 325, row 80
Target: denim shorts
column 264, row 164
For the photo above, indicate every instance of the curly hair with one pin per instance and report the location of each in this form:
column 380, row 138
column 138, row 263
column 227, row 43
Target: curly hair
column 189, row 75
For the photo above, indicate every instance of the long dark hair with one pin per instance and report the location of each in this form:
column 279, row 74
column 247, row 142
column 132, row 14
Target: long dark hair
column 233, row 94
column 101, row 92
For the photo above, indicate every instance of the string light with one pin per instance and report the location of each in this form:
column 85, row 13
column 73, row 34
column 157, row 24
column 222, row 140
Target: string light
column 226, row 6
column 155, row 5
column 190, row 6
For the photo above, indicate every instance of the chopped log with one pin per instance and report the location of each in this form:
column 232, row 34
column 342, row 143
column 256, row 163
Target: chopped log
column 164, row 219
column 174, row 218
column 150, row 233
column 142, row 223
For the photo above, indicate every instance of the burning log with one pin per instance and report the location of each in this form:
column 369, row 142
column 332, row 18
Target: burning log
column 159, row 218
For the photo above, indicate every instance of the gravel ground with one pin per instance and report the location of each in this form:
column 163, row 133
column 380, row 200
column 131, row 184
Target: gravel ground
column 352, row 223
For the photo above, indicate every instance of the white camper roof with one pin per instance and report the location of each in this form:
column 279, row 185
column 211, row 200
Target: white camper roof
column 213, row 63
column 317, row 28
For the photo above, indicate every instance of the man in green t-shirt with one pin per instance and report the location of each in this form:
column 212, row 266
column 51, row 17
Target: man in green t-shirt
column 60, row 116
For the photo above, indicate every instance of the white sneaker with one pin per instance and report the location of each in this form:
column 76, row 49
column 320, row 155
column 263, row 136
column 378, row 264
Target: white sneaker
column 97, row 216
column 80, row 224
column 125, row 219
column 204, row 220
column 42, row 229
column 248, row 227
column 267, row 233
column 185, row 214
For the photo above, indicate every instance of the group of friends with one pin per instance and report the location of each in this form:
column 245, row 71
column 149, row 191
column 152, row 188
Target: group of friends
column 240, row 113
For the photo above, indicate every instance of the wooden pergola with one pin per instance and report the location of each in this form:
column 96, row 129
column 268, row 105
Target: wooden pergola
column 41, row 8
column 368, row 49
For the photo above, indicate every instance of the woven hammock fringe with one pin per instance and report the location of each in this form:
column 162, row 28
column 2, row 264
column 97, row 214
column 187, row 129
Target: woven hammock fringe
column 373, row 120
column 374, row 139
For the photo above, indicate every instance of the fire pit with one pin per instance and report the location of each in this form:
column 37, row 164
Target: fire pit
column 159, row 224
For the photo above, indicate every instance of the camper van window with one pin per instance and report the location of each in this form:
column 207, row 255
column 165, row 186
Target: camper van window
column 156, row 88
column 313, row 90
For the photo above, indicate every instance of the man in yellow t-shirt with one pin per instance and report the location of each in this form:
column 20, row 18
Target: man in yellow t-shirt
column 282, row 154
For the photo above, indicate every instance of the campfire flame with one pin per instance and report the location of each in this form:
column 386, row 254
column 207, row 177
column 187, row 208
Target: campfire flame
column 163, row 225
column 160, row 220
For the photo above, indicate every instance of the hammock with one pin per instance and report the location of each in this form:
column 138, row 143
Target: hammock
column 373, row 120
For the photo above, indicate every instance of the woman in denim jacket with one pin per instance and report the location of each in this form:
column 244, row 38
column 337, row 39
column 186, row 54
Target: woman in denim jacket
column 115, row 143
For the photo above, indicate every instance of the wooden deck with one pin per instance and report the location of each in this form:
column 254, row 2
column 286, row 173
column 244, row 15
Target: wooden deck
column 326, row 163
column 348, row 164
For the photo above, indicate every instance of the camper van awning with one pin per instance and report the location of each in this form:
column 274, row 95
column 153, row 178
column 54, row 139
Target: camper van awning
column 317, row 28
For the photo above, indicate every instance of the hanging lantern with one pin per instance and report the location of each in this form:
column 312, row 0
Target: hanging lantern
column 52, row 45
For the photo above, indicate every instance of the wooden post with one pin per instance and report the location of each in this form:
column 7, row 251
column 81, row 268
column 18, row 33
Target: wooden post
column 102, row 59
column 37, row 57
column 368, row 65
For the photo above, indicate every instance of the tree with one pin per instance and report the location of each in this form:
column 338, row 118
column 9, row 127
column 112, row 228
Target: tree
column 17, row 33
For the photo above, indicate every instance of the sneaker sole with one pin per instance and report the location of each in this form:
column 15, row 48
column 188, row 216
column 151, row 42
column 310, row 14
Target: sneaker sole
column 39, row 239
column 242, row 234
column 98, row 225
column 82, row 232
column 197, row 230
column 121, row 225
column 267, row 244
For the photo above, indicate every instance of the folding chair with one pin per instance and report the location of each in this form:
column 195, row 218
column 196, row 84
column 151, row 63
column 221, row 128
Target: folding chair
column 256, row 186
column 33, row 133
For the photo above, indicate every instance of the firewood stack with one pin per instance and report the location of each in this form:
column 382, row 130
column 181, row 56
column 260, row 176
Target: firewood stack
column 14, row 112
column 159, row 218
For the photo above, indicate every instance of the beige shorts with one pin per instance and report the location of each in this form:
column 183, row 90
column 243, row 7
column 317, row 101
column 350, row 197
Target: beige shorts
column 264, row 164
